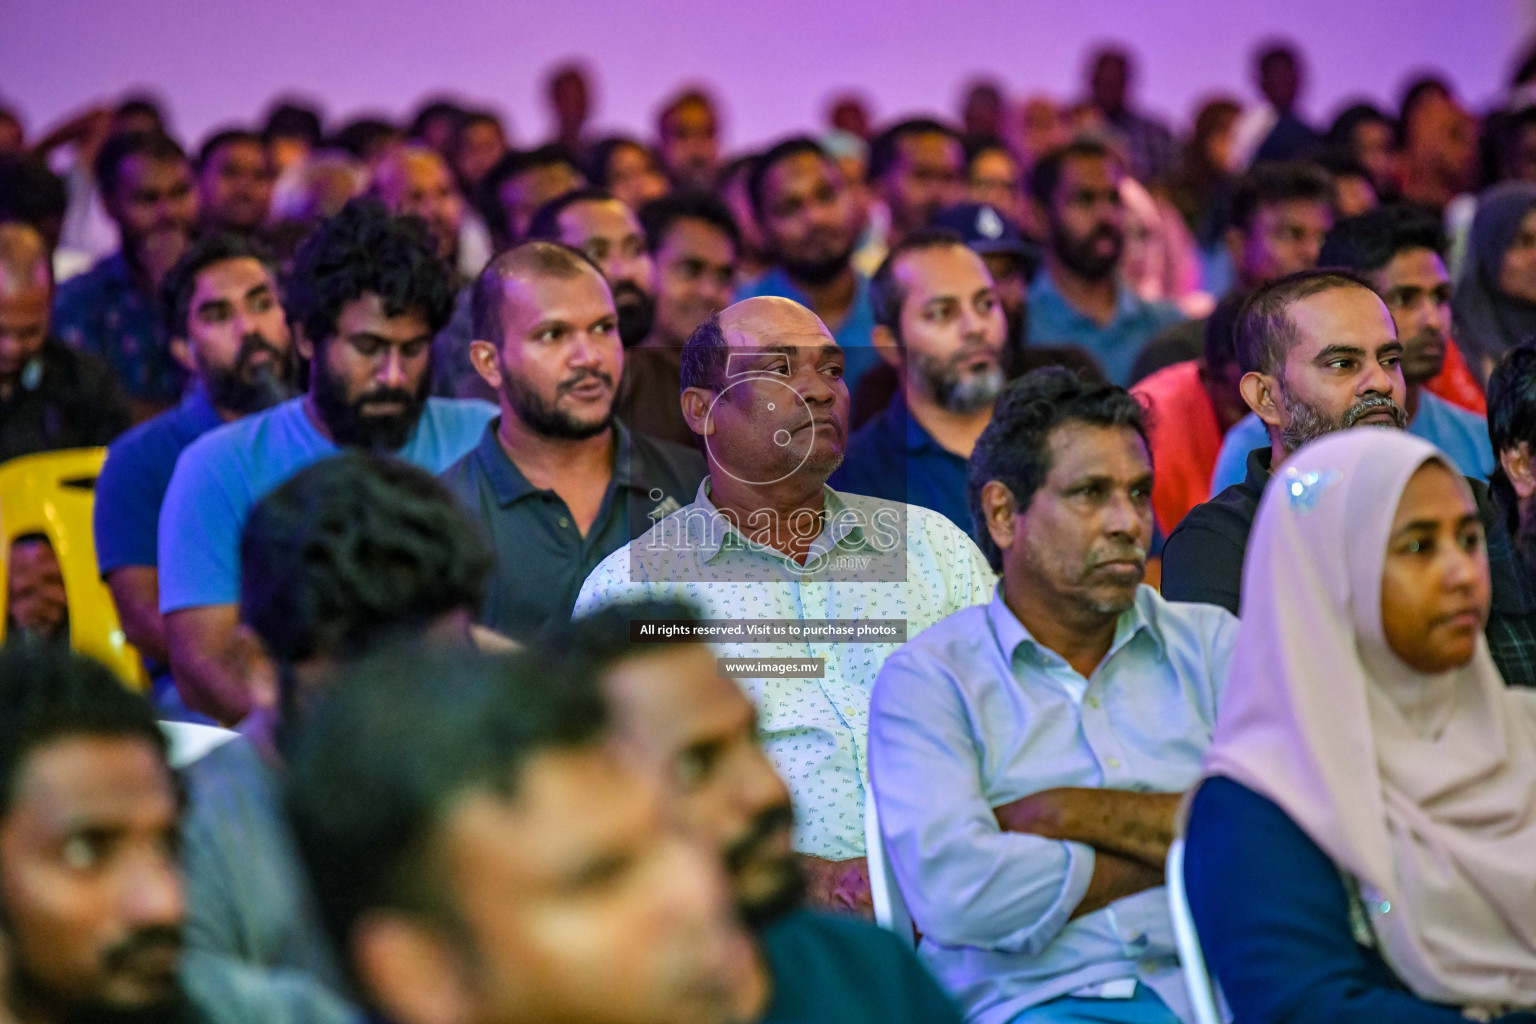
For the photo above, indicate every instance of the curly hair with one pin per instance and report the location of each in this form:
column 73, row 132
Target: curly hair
column 352, row 550
column 365, row 250
column 1015, row 449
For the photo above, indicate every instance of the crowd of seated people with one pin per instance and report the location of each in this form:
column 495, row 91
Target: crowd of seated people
column 580, row 548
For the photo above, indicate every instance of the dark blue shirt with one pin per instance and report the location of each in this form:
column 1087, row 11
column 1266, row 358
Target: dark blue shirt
column 894, row 458
column 1273, row 916
column 541, row 557
column 103, row 311
column 840, row 970
column 132, row 484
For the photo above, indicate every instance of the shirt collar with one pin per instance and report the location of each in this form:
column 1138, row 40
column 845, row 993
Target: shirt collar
column 510, row 485
column 197, row 410
column 840, row 526
column 1126, row 301
column 904, row 428
column 1011, row 634
column 1258, row 465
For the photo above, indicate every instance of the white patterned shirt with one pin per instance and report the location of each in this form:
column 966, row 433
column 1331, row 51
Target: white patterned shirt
column 872, row 559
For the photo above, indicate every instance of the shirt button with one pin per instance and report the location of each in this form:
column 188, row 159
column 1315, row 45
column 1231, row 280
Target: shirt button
column 1093, row 702
column 850, row 711
column 564, row 522
column 1113, row 762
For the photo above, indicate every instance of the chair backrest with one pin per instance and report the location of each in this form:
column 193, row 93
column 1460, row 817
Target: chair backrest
column 190, row 741
column 1203, row 996
column 890, row 909
column 53, row 494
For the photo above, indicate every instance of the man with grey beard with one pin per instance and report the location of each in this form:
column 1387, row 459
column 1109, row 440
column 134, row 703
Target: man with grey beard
column 938, row 320
column 1320, row 353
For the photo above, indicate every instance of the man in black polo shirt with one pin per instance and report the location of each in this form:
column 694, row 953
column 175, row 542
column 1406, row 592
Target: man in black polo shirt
column 1320, row 353
column 556, row 481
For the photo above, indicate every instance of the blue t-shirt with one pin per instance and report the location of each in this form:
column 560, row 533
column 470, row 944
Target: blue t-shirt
column 224, row 473
column 854, row 335
column 1054, row 321
column 103, row 311
column 1460, row 434
column 131, row 487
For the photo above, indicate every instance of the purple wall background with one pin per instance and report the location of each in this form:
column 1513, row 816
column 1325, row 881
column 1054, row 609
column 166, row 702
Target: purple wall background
column 773, row 64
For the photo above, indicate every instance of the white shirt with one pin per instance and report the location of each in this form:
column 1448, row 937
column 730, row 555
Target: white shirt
column 872, row 559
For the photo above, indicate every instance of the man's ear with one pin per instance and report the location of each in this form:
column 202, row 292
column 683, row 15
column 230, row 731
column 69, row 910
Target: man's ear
column 255, row 666
column 886, row 346
column 698, row 407
column 482, row 356
column 412, row 971
column 998, row 510
column 1262, row 393
column 1519, row 467
column 302, row 343
column 1236, row 243
column 181, row 351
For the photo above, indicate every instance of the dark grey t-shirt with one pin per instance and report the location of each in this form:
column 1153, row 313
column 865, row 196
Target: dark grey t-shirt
column 541, row 557
column 256, row 952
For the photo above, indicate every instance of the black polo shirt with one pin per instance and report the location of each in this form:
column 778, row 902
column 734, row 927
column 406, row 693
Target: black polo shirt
column 541, row 557
column 1203, row 557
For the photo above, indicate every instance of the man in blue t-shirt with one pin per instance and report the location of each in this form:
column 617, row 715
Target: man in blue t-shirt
column 367, row 293
column 695, row 732
column 225, row 321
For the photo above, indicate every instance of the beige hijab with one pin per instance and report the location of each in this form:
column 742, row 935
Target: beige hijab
column 1423, row 788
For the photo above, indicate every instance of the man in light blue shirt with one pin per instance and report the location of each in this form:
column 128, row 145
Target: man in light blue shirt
column 811, row 227
column 1027, row 756
column 768, row 545
column 368, row 292
column 1078, row 298
column 1399, row 250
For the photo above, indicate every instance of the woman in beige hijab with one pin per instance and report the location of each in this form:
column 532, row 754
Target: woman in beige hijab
column 1363, row 845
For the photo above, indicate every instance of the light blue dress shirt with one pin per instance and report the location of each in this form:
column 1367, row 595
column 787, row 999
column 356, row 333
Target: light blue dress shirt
column 974, row 714
column 1460, row 434
column 1052, row 321
column 872, row 559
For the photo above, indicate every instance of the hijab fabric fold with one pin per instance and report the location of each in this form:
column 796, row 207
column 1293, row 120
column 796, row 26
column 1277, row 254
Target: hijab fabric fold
column 1422, row 788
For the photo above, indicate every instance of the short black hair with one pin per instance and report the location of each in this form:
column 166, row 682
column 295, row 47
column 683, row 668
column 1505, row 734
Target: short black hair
column 774, row 155
column 885, row 148
column 1420, row 88
column 1015, row 448
column 544, row 225
column 659, row 215
column 50, row 693
column 1046, row 174
column 361, row 135
column 377, row 767
column 467, row 120
column 515, row 162
column 693, row 95
column 1265, row 330
column 1274, row 50
column 181, row 281
column 538, row 257
column 705, row 356
column 975, row 146
column 293, row 120
column 1511, row 420
column 885, row 292
column 218, row 140
column 1274, row 182
column 431, row 111
column 593, row 643
column 120, row 147
column 364, row 250
column 1370, row 241
column 141, row 104
column 1340, row 136
column 353, row 549
column 29, row 190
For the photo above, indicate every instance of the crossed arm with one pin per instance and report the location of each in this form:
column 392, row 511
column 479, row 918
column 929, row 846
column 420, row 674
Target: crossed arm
column 1129, row 832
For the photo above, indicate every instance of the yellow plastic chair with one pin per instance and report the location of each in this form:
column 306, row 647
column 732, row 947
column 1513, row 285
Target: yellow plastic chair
column 53, row 494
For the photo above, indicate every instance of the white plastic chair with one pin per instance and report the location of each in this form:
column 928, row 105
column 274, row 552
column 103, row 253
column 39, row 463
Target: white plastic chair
column 890, row 909
column 190, row 741
column 1203, row 997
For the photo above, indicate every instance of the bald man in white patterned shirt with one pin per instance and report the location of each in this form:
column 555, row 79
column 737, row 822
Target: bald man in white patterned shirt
column 839, row 580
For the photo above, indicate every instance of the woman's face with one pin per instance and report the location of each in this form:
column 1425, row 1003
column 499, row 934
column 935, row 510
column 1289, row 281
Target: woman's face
column 1434, row 587
column 1517, row 277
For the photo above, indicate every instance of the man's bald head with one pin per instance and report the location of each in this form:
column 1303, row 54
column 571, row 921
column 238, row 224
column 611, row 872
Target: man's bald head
column 761, row 322
column 527, row 262
column 23, row 259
